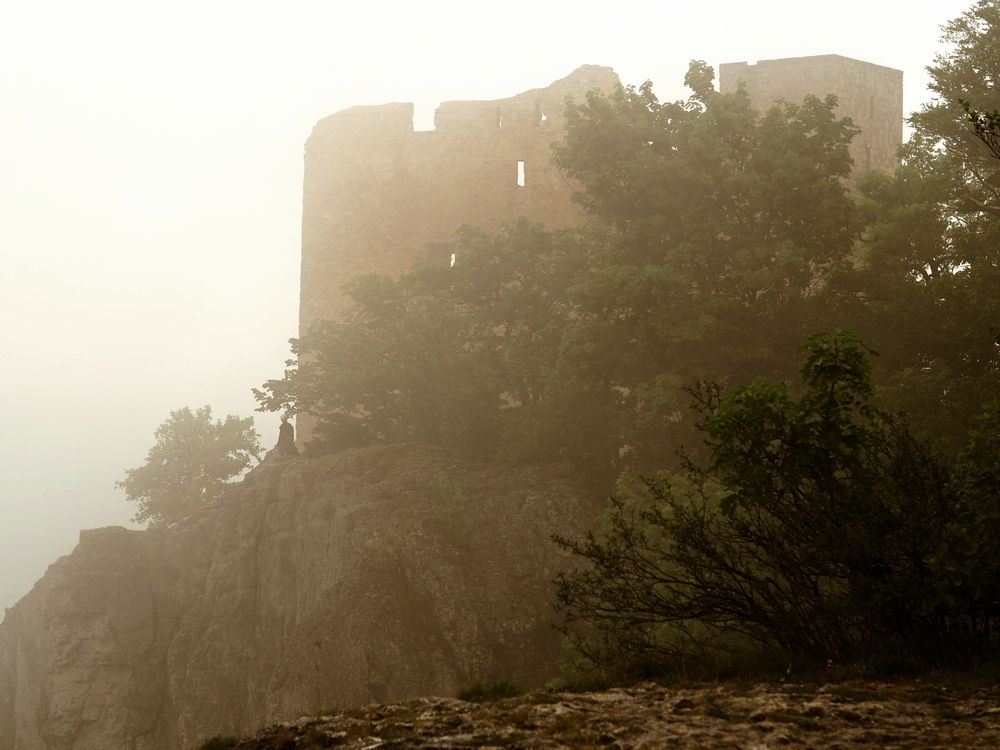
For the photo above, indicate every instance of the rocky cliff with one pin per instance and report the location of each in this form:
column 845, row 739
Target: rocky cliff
column 377, row 574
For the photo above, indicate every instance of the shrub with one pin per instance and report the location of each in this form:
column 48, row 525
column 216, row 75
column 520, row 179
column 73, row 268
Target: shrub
column 489, row 691
column 819, row 527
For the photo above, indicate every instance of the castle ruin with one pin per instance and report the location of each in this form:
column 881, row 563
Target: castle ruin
column 378, row 196
column 871, row 95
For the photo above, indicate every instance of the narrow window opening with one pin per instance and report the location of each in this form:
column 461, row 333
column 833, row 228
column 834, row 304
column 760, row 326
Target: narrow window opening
column 543, row 118
column 499, row 117
column 520, row 174
column 423, row 117
column 451, row 261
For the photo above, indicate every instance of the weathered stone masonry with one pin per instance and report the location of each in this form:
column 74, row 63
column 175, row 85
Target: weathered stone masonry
column 378, row 196
column 871, row 95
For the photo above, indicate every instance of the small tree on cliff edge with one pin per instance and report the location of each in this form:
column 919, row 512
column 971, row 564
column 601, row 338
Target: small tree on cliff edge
column 189, row 465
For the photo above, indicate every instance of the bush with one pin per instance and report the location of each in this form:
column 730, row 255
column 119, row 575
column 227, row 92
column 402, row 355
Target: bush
column 819, row 527
column 219, row 743
column 189, row 466
column 490, row 691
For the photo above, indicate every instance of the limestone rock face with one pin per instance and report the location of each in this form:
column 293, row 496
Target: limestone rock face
column 377, row 574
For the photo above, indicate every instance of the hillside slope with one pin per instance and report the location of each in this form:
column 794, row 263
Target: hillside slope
column 381, row 573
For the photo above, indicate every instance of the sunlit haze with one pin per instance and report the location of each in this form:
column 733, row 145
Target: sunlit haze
column 150, row 189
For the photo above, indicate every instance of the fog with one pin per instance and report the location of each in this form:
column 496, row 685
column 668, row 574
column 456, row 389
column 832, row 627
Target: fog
column 150, row 190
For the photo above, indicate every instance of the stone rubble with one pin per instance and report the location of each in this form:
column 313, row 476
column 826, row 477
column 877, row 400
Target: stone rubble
column 845, row 716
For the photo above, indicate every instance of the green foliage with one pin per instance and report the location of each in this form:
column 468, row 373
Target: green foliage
column 968, row 558
column 819, row 526
column 724, row 228
column 965, row 80
column 924, row 290
column 190, row 464
column 986, row 126
column 448, row 356
column 490, row 691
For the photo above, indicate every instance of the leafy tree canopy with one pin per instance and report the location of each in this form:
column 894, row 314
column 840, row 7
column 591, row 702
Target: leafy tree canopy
column 818, row 525
column 189, row 465
column 924, row 289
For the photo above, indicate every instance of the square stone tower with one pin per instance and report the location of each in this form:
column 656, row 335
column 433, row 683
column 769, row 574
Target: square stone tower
column 871, row 95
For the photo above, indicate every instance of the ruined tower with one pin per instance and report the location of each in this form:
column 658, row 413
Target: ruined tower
column 871, row 95
column 378, row 196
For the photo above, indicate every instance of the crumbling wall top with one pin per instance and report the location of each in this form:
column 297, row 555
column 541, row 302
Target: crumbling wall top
column 527, row 109
column 365, row 122
column 828, row 62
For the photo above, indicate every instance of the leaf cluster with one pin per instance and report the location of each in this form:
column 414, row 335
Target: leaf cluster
column 190, row 464
column 823, row 524
column 924, row 288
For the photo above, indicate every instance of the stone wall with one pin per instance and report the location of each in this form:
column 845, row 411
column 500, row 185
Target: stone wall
column 871, row 95
column 379, row 196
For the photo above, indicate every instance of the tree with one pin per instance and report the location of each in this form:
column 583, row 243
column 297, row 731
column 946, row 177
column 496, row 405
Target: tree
column 924, row 289
column 966, row 81
column 818, row 526
column 722, row 230
column 190, row 464
column 968, row 560
column 456, row 357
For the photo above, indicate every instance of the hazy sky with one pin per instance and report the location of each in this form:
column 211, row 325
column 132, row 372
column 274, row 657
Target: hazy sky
column 150, row 188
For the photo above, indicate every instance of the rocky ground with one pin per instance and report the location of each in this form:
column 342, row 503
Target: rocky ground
column 845, row 715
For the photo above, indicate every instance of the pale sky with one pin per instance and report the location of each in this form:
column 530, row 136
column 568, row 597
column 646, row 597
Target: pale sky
column 150, row 188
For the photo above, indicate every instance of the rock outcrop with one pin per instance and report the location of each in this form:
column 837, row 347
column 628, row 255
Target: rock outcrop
column 382, row 574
